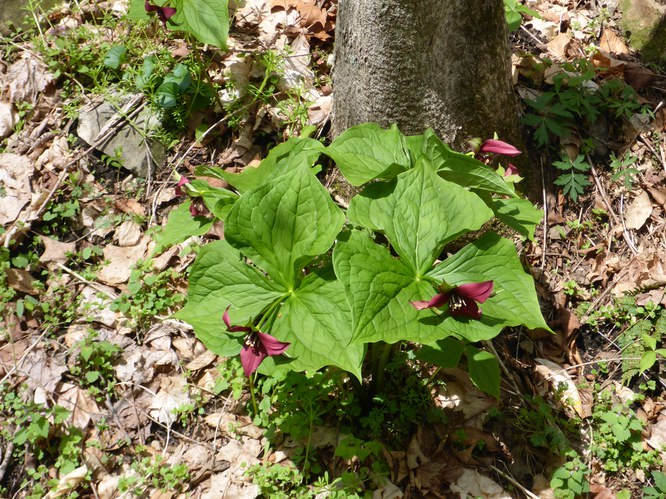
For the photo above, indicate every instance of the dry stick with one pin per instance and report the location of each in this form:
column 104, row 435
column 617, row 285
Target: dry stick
column 545, row 216
column 86, row 281
column 616, row 219
column 514, row 482
column 6, row 458
column 24, row 225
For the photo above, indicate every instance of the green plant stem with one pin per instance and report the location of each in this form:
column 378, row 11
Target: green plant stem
column 381, row 353
column 254, row 399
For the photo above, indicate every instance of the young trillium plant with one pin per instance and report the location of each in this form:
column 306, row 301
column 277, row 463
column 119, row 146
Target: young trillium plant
column 334, row 287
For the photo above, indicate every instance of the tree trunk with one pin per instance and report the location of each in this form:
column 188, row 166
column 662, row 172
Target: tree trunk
column 443, row 64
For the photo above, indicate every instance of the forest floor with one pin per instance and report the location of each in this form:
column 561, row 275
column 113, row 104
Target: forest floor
column 103, row 394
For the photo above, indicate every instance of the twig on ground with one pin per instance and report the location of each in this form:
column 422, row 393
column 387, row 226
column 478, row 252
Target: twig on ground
column 545, row 217
column 86, row 281
column 515, row 482
column 5, row 459
column 609, row 207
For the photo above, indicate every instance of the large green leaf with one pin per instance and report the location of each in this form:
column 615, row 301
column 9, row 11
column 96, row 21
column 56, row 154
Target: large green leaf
column 445, row 353
column 456, row 167
column 220, row 278
column 282, row 225
column 379, row 288
column 207, row 20
column 180, row 226
column 316, row 320
column 519, row 214
column 484, row 370
column 280, row 159
column 419, row 213
column 365, row 152
column 514, row 300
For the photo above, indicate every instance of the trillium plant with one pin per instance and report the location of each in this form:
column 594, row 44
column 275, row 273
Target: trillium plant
column 300, row 284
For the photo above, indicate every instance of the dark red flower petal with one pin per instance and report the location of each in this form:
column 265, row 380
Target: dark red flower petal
column 495, row 146
column 230, row 328
column 272, row 345
column 435, row 302
column 476, row 291
column 251, row 357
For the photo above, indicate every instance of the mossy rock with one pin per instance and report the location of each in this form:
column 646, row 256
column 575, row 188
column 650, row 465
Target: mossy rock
column 644, row 21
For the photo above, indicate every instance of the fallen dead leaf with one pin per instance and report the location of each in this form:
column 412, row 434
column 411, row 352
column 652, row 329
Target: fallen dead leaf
column 128, row 233
column 659, row 195
column 121, row 259
column 657, row 438
column 22, row 281
column 638, row 211
column 68, row 483
column 473, row 484
column 27, row 78
column 55, row 251
column 173, row 394
column 558, row 46
column 613, row 44
column 556, row 377
column 130, row 206
column 15, row 173
column 44, row 372
column 7, row 119
column 79, row 402
column 203, row 360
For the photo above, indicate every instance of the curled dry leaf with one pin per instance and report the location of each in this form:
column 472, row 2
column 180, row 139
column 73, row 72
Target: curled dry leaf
column 27, row 78
column 473, row 484
column 55, row 251
column 121, row 260
column 68, row 483
column 15, row 172
column 556, row 377
column 638, row 211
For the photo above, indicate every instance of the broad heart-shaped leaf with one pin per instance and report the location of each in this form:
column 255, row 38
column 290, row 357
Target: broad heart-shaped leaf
column 445, row 353
column 379, row 289
column 368, row 151
column 291, row 153
column 491, row 257
column 180, row 225
column 519, row 214
column 419, row 213
column 220, row 278
column 284, row 224
column 484, row 370
column 207, row 20
column 316, row 320
column 457, row 167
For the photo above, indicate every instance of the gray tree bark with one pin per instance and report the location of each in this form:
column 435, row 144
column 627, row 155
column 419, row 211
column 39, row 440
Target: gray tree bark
column 443, row 64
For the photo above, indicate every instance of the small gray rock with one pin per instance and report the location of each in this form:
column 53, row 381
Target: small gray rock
column 140, row 154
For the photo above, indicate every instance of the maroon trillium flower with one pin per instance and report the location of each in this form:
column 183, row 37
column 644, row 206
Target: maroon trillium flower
column 494, row 146
column 510, row 170
column 163, row 13
column 462, row 300
column 256, row 346
column 179, row 186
